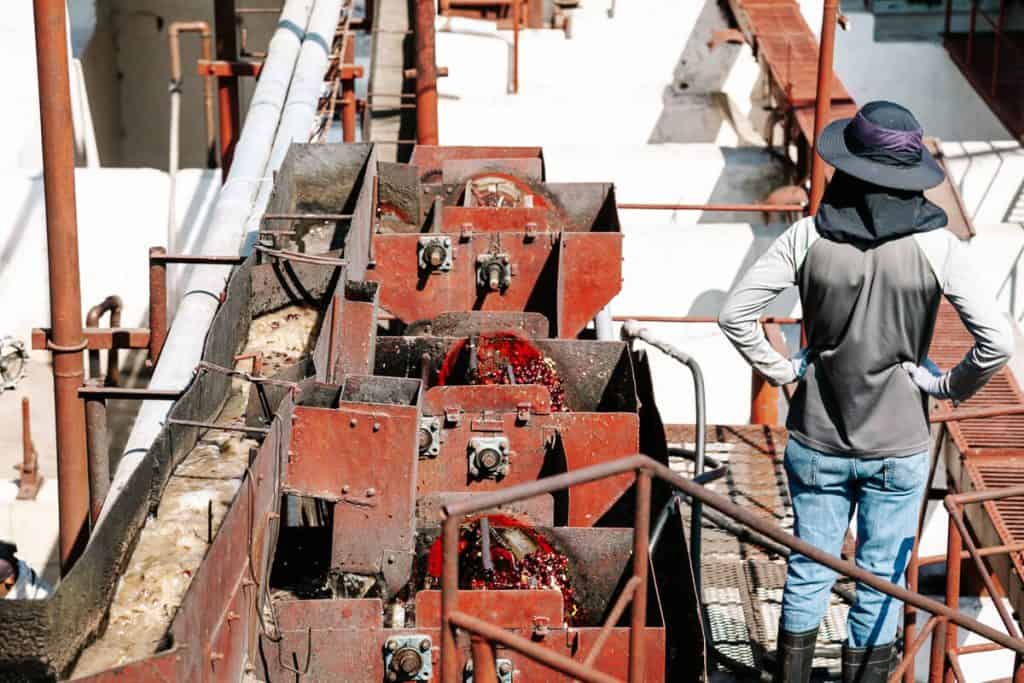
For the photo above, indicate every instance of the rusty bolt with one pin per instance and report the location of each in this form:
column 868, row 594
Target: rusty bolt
column 232, row 616
column 391, row 559
column 371, row 492
column 505, row 668
column 489, row 459
column 424, row 645
column 346, row 488
column 353, row 422
column 407, row 661
column 391, row 645
column 392, row 676
column 424, row 440
column 376, row 426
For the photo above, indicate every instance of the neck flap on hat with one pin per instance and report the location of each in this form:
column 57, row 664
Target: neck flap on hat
column 863, row 214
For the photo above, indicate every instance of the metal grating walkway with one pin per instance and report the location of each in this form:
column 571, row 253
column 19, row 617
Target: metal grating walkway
column 742, row 588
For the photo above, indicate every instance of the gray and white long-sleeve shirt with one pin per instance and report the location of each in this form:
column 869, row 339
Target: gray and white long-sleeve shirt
column 865, row 311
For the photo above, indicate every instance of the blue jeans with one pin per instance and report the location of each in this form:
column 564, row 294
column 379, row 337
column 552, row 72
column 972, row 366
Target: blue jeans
column 825, row 490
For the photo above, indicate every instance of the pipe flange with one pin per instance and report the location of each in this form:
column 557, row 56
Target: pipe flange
column 429, row 437
column 435, row 254
column 493, row 272
column 408, row 658
column 489, row 457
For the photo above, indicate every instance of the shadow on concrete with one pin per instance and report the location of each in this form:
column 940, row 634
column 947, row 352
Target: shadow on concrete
column 21, row 223
column 693, row 107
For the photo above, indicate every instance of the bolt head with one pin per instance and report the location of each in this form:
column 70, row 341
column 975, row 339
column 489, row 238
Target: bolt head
column 488, row 459
column 346, row 488
column 370, row 493
column 353, row 422
column 505, row 668
column 391, row 645
column 376, row 426
column 424, row 645
column 392, row 676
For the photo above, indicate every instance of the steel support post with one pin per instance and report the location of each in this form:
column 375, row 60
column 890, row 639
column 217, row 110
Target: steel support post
column 944, row 637
column 99, row 449
column 157, row 303
column 68, row 340
column 449, row 597
column 348, row 94
column 227, row 86
column 764, row 401
column 638, row 607
column 823, row 103
column 426, row 74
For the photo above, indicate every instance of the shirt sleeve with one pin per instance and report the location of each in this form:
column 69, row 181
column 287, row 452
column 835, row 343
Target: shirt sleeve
column 773, row 272
column 993, row 337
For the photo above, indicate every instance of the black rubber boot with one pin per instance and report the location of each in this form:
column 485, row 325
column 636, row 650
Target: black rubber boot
column 794, row 656
column 867, row 664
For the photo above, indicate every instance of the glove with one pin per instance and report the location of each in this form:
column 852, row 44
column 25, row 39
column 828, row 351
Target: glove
column 800, row 361
column 927, row 377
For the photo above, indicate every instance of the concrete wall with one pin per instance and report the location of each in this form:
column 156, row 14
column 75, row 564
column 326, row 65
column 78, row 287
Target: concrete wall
column 918, row 75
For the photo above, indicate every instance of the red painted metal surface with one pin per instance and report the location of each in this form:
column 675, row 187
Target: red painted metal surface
column 161, row 667
column 585, row 439
column 362, row 457
column 507, row 609
column 588, row 268
column 460, row 219
column 354, row 656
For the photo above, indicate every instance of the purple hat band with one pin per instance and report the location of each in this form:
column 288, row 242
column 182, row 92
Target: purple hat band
column 884, row 145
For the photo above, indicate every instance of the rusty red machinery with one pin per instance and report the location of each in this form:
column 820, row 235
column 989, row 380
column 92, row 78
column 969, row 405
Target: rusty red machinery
column 478, row 229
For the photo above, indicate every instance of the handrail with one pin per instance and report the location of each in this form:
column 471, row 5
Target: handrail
column 645, row 468
column 632, row 330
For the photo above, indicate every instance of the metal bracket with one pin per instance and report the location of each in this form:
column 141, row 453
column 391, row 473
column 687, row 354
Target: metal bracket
column 435, row 254
column 503, row 666
column 493, row 272
column 408, row 658
column 489, row 457
column 430, row 437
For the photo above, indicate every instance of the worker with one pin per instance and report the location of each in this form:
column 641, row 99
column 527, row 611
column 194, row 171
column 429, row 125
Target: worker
column 18, row 581
column 871, row 267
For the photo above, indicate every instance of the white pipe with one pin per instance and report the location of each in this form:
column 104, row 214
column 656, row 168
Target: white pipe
column 299, row 117
column 200, row 300
column 172, row 178
column 92, row 152
column 603, row 324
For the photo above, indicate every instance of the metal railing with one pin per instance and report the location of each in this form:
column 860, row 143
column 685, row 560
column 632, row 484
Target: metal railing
column 645, row 469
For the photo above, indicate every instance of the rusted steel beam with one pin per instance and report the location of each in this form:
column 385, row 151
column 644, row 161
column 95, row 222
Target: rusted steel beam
column 449, row 595
column 517, row 643
column 348, row 92
column 641, row 552
column 753, row 208
column 99, row 448
column 957, row 518
column 227, row 70
column 100, row 392
column 65, row 291
column 307, row 217
column 163, row 258
column 484, row 669
column 970, row 497
column 216, row 427
column 823, row 99
column 426, row 73
column 909, row 654
column 157, row 304
column 112, row 304
column 99, row 339
column 29, row 478
column 227, row 85
column 945, row 634
column 764, row 401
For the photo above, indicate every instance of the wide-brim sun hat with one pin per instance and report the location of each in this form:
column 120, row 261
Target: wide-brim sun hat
column 882, row 144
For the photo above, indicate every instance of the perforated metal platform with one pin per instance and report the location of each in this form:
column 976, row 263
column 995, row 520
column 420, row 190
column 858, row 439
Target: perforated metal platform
column 742, row 582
